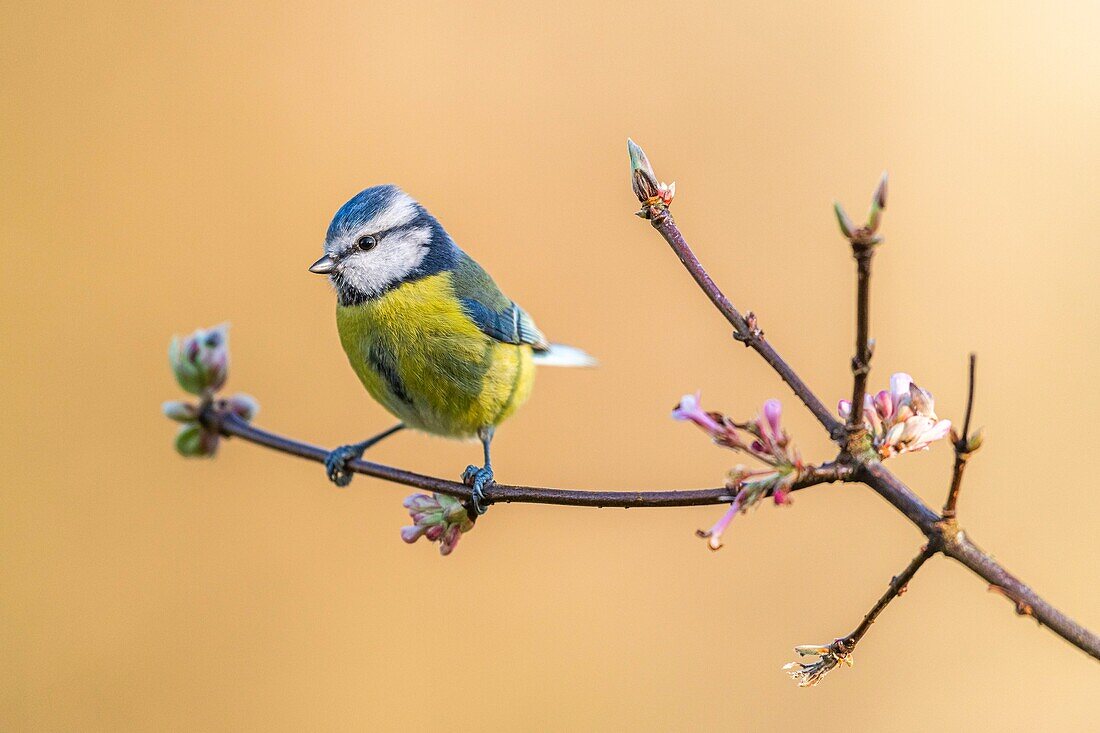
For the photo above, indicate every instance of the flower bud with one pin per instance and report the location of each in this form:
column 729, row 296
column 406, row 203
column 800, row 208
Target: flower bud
column 180, row 411
column 690, row 409
column 439, row 518
column 846, row 226
column 878, row 204
column 643, row 179
column 201, row 360
column 243, row 406
column 193, row 441
column 649, row 190
column 974, row 442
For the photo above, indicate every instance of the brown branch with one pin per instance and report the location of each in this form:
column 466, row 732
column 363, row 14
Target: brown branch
column 898, row 585
column 228, row 424
column 1027, row 602
column 662, row 221
column 861, row 362
column 964, row 447
column 840, row 650
column 943, row 534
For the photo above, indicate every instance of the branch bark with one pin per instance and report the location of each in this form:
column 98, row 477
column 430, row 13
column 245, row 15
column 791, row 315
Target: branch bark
column 228, row 424
column 963, row 447
column 861, row 362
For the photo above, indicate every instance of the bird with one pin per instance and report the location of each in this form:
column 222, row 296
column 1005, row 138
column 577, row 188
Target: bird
column 427, row 331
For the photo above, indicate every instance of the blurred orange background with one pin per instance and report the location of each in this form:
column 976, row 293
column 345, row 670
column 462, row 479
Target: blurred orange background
column 169, row 166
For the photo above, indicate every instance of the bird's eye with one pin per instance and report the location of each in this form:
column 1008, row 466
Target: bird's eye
column 366, row 243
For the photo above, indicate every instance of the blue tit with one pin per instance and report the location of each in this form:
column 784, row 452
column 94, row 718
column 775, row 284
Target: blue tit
column 428, row 332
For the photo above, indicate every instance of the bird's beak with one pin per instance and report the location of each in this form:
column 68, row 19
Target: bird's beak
column 323, row 266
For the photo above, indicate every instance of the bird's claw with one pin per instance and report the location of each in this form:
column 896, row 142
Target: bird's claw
column 477, row 478
column 336, row 464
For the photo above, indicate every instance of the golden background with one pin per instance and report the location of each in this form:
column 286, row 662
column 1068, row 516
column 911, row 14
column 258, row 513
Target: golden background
column 168, row 167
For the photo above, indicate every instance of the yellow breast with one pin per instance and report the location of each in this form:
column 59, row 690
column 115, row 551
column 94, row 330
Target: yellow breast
column 425, row 361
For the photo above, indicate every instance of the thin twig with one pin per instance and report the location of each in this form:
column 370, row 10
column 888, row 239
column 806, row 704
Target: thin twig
column 972, row 372
column 963, row 449
column 230, row 425
column 861, row 362
column 898, row 584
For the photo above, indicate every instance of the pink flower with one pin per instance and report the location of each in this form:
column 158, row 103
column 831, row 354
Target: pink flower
column 689, row 409
column 773, row 409
column 713, row 536
column 901, row 420
column 438, row 518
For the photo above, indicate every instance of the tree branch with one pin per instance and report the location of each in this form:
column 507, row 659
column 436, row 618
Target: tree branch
column 942, row 533
column 964, row 447
column 662, row 221
column 228, row 424
column 861, row 362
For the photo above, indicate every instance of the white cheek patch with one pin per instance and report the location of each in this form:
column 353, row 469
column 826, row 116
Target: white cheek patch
column 393, row 260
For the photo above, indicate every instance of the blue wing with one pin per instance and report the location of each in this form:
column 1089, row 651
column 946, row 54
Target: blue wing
column 493, row 313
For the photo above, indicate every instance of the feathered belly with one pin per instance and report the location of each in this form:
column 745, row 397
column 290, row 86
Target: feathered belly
column 423, row 360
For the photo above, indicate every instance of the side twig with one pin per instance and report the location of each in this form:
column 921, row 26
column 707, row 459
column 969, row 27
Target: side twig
column 898, row 585
column 861, row 362
column 840, row 650
column 964, row 445
column 863, row 239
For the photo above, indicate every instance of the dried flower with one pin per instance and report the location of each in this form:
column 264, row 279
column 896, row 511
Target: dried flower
column 201, row 361
column 808, row 675
column 901, row 420
column 439, row 518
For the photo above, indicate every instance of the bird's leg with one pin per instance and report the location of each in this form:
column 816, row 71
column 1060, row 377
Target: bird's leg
column 478, row 478
column 336, row 462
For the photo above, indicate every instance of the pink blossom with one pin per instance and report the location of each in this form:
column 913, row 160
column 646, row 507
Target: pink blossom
column 773, row 409
column 713, row 536
column 901, row 420
column 438, row 518
column 690, row 409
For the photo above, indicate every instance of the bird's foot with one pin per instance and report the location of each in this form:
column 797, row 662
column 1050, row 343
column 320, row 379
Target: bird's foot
column 336, row 463
column 477, row 478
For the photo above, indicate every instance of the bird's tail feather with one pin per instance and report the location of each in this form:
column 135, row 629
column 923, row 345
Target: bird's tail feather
column 564, row 356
